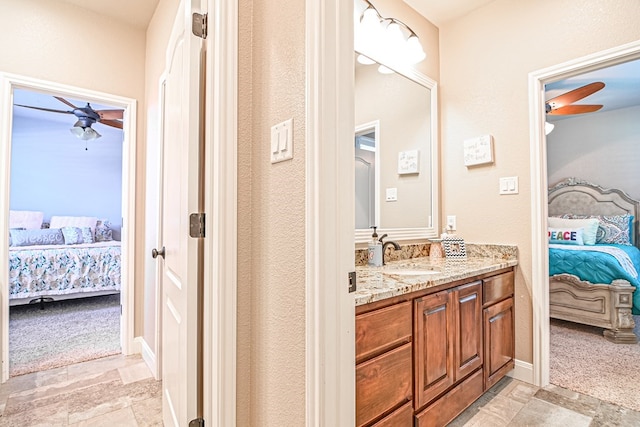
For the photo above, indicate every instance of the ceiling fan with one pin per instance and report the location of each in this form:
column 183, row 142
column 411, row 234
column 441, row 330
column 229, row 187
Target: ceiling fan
column 86, row 116
column 561, row 105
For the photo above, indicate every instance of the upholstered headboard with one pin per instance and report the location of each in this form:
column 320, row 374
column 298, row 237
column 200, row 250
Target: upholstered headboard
column 580, row 197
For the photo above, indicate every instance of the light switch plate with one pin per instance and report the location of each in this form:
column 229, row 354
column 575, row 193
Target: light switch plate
column 509, row 185
column 392, row 194
column 282, row 141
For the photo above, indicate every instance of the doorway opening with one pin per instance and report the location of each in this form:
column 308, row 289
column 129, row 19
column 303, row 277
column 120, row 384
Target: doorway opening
column 539, row 197
column 73, row 175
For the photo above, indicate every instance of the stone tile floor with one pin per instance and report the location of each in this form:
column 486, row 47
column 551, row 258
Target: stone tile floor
column 121, row 391
column 113, row 391
column 515, row 403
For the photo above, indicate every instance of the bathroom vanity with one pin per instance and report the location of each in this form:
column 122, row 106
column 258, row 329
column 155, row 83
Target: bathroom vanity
column 432, row 335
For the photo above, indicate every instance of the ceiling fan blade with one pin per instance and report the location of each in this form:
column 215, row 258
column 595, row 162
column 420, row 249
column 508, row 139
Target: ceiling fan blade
column 110, row 114
column 112, row 123
column 574, row 109
column 574, row 95
column 44, row 109
column 64, row 101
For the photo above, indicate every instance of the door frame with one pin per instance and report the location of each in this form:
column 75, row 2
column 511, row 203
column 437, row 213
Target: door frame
column 329, row 213
column 221, row 202
column 539, row 185
column 8, row 82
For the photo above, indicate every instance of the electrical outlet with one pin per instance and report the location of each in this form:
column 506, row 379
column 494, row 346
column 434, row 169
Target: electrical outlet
column 451, row 222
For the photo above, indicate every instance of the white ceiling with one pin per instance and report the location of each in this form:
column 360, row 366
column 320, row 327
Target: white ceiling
column 441, row 11
column 134, row 12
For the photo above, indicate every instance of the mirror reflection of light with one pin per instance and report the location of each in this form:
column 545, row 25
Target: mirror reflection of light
column 384, row 70
column 365, row 61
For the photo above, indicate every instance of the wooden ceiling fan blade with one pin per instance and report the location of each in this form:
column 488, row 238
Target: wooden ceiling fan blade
column 574, row 95
column 64, row 101
column 44, row 109
column 112, row 123
column 110, row 114
column 574, row 109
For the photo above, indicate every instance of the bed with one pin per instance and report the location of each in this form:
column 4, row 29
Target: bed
column 595, row 284
column 73, row 257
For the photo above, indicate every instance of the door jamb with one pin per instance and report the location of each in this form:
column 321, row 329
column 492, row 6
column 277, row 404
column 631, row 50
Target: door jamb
column 539, row 185
column 7, row 83
column 330, row 217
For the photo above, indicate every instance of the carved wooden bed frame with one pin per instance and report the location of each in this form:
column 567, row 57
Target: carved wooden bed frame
column 606, row 306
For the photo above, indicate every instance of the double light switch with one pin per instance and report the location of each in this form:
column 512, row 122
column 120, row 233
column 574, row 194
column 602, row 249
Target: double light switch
column 282, row 141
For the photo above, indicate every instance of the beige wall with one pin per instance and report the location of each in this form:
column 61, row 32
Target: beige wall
column 485, row 60
column 59, row 42
column 271, row 252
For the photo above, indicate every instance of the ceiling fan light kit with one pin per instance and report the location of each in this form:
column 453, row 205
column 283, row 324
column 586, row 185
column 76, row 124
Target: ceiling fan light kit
column 86, row 117
column 388, row 40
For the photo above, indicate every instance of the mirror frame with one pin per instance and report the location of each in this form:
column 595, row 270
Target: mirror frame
column 431, row 231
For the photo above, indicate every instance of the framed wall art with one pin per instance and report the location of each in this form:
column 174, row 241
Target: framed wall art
column 454, row 248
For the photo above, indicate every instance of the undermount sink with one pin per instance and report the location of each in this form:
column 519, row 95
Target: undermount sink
column 409, row 272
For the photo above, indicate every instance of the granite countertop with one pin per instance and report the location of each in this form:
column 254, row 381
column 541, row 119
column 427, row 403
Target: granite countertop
column 378, row 283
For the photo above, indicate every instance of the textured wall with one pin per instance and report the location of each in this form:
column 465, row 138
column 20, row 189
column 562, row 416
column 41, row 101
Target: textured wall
column 486, row 57
column 272, row 89
column 52, row 41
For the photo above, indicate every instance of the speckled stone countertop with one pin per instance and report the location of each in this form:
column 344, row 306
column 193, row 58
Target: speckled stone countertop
column 378, row 283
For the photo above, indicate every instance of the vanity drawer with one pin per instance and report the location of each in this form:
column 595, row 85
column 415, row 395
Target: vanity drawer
column 383, row 383
column 383, row 329
column 497, row 288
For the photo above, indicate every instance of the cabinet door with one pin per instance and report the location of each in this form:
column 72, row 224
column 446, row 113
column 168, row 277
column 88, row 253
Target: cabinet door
column 468, row 315
column 433, row 353
column 499, row 341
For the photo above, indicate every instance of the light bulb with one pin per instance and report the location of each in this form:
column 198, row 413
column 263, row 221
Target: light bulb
column 394, row 35
column 415, row 52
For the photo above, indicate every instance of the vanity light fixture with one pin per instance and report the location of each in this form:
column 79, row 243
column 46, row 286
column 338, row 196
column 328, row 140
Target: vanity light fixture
column 387, row 38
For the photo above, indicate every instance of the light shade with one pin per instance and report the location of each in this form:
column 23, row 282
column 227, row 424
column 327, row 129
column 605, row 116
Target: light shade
column 86, row 134
column 548, row 127
column 388, row 40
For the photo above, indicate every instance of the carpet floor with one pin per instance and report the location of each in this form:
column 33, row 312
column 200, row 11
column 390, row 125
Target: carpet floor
column 65, row 332
column 583, row 360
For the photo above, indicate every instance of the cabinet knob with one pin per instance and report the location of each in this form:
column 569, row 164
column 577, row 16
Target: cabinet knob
column 155, row 253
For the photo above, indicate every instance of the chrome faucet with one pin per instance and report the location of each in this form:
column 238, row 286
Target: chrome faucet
column 385, row 244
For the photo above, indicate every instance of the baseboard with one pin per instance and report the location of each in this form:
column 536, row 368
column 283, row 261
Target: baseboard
column 149, row 357
column 523, row 371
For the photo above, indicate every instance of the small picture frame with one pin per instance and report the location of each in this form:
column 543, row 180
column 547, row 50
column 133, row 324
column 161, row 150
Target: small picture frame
column 454, row 248
column 478, row 151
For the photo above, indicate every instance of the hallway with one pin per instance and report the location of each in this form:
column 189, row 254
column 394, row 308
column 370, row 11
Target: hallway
column 115, row 390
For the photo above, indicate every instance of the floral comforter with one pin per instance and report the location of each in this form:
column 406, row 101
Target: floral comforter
column 36, row 271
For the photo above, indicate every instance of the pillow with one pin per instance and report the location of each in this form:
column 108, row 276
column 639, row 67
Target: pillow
column 74, row 221
column 16, row 228
column 589, row 227
column 612, row 229
column 565, row 236
column 47, row 236
column 75, row 235
column 104, row 233
column 25, row 219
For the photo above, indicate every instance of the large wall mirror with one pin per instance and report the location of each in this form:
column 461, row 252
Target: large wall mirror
column 396, row 161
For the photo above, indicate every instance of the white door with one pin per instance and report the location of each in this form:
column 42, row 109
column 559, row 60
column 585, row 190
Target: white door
column 180, row 198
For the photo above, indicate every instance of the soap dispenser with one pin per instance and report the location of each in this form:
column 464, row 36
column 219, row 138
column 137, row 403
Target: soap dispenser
column 375, row 250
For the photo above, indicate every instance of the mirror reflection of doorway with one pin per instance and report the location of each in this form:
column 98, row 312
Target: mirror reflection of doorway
column 366, row 157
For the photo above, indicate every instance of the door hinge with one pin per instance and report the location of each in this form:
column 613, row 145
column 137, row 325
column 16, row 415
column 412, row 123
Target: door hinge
column 352, row 281
column 197, row 422
column 199, row 25
column 196, row 225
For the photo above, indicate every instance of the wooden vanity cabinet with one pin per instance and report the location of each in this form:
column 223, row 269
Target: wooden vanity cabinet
column 422, row 360
column 384, row 374
column 499, row 332
column 448, row 349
